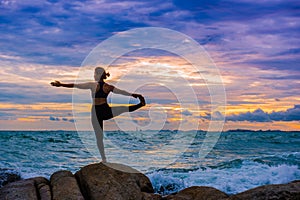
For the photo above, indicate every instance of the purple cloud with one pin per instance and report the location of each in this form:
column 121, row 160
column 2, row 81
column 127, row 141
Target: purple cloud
column 291, row 114
column 256, row 116
column 63, row 32
column 51, row 118
column 57, row 119
column 186, row 113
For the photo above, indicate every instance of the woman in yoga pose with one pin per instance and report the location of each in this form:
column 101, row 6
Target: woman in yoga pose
column 100, row 109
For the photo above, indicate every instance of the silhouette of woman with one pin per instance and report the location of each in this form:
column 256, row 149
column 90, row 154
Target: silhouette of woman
column 100, row 109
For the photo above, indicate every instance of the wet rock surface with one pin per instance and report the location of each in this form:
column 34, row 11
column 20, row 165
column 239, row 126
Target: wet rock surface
column 8, row 176
column 111, row 181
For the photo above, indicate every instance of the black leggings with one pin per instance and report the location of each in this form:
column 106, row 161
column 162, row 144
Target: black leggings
column 105, row 112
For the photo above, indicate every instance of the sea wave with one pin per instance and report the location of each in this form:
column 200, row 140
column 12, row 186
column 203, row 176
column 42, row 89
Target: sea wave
column 239, row 161
column 237, row 176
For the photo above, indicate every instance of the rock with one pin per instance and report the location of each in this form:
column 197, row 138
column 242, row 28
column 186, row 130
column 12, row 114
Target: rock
column 111, row 181
column 150, row 196
column 64, row 186
column 43, row 188
column 168, row 188
column 19, row 190
column 290, row 191
column 8, row 176
column 198, row 193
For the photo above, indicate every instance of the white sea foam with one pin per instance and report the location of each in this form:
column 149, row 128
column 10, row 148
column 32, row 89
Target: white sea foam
column 239, row 162
column 229, row 180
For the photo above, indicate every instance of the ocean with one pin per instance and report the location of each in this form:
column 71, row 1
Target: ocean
column 240, row 160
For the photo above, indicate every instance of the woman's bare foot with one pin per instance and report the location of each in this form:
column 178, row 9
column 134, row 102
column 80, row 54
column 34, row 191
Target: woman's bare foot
column 142, row 100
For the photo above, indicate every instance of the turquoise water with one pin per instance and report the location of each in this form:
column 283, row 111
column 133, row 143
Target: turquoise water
column 240, row 160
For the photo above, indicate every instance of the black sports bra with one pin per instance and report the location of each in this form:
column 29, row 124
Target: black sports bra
column 100, row 93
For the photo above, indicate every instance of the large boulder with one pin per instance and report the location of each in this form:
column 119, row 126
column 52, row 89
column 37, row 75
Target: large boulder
column 25, row 190
column 198, row 193
column 290, row 191
column 43, row 188
column 64, row 186
column 112, row 181
column 151, row 196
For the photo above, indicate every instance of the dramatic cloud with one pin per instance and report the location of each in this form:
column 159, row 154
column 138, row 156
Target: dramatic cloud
column 52, row 118
column 64, row 32
column 292, row 114
column 254, row 44
column 186, row 113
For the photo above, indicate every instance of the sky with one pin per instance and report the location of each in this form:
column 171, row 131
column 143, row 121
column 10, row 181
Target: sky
column 254, row 45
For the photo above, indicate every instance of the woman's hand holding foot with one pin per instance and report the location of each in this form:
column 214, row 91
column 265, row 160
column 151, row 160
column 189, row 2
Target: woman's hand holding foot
column 136, row 95
column 141, row 98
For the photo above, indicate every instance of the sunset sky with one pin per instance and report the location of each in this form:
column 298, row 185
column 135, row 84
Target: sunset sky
column 254, row 44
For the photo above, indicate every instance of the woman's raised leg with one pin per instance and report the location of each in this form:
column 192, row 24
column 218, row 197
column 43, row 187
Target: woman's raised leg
column 117, row 110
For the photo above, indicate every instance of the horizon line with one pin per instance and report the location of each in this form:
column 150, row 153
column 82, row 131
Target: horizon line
column 231, row 130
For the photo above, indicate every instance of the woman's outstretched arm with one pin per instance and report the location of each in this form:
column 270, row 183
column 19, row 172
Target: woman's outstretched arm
column 119, row 91
column 72, row 85
column 59, row 84
column 123, row 92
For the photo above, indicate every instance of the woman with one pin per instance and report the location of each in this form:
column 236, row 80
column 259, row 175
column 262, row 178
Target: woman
column 100, row 109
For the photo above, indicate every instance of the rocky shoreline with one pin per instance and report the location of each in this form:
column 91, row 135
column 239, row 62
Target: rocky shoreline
column 113, row 181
